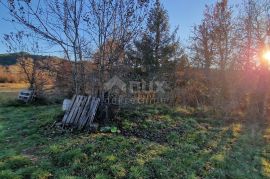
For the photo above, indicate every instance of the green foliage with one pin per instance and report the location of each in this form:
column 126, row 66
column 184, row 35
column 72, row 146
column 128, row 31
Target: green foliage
column 101, row 176
column 8, row 174
column 157, row 46
column 109, row 129
column 118, row 171
column 41, row 174
column 15, row 162
column 138, row 172
column 71, row 157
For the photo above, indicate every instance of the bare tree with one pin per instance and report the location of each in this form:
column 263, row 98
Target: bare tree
column 202, row 44
column 112, row 25
column 77, row 26
column 36, row 72
column 60, row 24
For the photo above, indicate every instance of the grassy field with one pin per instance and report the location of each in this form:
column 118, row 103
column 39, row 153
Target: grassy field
column 155, row 142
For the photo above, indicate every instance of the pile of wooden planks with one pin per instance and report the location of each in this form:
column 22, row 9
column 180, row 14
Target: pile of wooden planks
column 81, row 112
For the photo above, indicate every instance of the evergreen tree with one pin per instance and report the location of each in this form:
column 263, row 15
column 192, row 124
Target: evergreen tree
column 157, row 48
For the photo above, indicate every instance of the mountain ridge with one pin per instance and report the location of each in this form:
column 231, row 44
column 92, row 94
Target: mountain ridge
column 8, row 59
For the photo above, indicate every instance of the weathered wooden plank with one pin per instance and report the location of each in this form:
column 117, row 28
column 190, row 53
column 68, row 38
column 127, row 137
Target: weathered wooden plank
column 93, row 112
column 82, row 121
column 76, row 110
column 80, row 110
column 69, row 110
column 89, row 111
column 73, row 111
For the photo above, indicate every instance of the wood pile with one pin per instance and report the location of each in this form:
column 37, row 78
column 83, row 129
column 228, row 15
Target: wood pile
column 81, row 112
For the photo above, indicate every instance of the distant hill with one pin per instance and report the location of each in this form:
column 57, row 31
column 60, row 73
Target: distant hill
column 11, row 58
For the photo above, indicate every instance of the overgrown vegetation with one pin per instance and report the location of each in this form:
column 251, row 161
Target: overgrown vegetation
column 217, row 89
column 158, row 143
column 225, row 66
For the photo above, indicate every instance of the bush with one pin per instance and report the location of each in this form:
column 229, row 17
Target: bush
column 16, row 162
column 8, row 174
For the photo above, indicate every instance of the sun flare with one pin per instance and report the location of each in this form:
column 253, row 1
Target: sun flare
column 266, row 56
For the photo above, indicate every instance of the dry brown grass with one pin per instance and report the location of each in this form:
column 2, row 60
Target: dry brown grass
column 12, row 87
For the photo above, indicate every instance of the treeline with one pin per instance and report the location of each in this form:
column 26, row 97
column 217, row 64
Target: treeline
column 10, row 74
column 11, row 58
column 229, row 45
column 10, row 68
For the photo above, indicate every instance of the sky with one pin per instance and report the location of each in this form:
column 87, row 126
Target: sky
column 182, row 13
column 185, row 14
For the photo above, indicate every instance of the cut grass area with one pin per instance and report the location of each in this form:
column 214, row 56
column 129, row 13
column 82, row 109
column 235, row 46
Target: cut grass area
column 7, row 97
column 155, row 142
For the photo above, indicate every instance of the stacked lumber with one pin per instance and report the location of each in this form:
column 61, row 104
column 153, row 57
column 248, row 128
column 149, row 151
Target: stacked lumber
column 81, row 112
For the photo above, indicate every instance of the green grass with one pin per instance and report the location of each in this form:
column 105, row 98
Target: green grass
column 6, row 97
column 155, row 142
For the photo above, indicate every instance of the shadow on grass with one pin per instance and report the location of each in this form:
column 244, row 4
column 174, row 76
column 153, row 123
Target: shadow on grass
column 190, row 156
column 245, row 157
column 204, row 148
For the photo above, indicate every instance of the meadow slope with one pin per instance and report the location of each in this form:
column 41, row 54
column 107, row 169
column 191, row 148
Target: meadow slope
column 155, row 142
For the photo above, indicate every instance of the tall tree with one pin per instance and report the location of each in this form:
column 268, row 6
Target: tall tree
column 213, row 48
column 159, row 31
column 223, row 42
column 77, row 26
column 111, row 26
column 222, row 33
column 157, row 47
column 202, row 44
column 248, row 34
column 250, row 31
